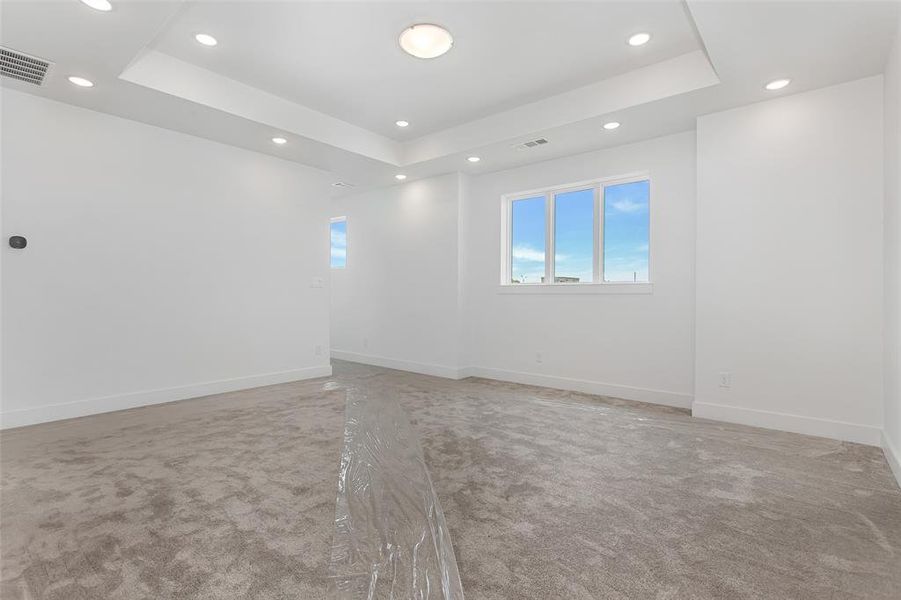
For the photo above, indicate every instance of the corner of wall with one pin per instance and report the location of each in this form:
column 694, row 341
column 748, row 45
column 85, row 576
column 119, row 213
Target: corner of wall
column 891, row 437
column 892, row 456
column 463, row 339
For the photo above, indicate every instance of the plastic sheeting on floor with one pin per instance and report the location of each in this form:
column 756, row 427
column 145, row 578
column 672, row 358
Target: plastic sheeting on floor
column 391, row 540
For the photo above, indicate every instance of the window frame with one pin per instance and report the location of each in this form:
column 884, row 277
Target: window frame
column 331, row 221
column 550, row 285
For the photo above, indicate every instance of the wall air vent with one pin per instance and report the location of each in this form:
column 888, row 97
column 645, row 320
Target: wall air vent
column 23, row 67
column 531, row 144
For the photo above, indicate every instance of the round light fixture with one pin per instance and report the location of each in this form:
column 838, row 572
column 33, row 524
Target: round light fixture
column 81, row 81
column 279, row 140
column 400, row 176
column 473, row 159
column 425, row 40
column 103, row 5
column 402, row 123
column 206, row 39
column 611, row 125
column 640, row 39
column 777, row 84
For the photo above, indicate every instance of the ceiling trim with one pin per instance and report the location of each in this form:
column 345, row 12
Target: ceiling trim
column 664, row 79
column 175, row 77
column 679, row 75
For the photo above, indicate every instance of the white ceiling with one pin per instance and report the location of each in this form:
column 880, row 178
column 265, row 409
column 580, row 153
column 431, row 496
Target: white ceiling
column 329, row 75
column 340, row 58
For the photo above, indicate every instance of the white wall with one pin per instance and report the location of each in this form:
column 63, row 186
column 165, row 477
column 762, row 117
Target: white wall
column 892, row 441
column 420, row 289
column 159, row 266
column 396, row 302
column 632, row 346
column 789, row 263
column 788, row 222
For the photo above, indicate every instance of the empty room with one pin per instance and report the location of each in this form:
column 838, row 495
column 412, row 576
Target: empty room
column 423, row 300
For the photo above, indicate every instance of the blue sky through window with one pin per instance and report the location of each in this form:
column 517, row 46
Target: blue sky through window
column 626, row 229
column 528, row 236
column 574, row 236
column 338, row 232
column 626, row 209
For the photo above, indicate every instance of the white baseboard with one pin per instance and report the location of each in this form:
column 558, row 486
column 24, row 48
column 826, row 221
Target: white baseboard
column 399, row 364
column 597, row 388
column 82, row 408
column 837, row 430
column 548, row 381
column 893, row 456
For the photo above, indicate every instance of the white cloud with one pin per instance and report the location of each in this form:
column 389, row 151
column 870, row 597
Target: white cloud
column 339, row 238
column 628, row 206
column 339, row 252
column 527, row 254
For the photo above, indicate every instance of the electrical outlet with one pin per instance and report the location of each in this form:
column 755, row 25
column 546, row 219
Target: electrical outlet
column 726, row 379
column 538, row 358
column 318, row 350
column 365, row 342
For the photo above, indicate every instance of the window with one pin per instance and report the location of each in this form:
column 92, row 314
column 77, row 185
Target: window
column 596, row 232
column 574, row 236
column 626, row 225
column 528, row 240
column 338, row 230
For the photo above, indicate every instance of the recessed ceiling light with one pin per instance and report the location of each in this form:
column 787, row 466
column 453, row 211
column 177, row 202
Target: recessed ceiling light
column 639, row 39
column 778, row 84
column 401, row 123
column 425, row 40
column 279, row 140
column 400, row 176
column 205, row 39
column 611, row 125
column 473, row 159
column 103, row 5
column 81, row 81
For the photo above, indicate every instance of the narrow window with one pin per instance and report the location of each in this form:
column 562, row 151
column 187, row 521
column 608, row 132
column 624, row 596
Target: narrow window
column 338, row 231
column 626, row 231
column 528, row 243
column 574, row 236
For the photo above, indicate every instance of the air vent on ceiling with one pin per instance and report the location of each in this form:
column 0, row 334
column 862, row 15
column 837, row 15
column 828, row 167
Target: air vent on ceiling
column 531, row 144
column 23, row 67
column 342, row 184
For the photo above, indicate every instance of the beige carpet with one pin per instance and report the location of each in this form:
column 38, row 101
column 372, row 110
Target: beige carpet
column 547, row 494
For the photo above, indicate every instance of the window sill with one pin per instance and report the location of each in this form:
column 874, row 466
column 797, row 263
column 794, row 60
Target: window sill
column 577, row 288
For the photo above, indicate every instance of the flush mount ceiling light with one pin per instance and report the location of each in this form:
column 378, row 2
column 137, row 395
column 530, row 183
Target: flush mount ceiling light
column 206, row 39
column 401, row 123
column 473, row 159
column 777, row 84
column 425, row 40
column 81, row 82
column 400, row 176
column 639, row 39
column 103, row 5
column 279, row 140
column 611, row 125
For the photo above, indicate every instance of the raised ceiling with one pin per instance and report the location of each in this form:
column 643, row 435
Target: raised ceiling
column 330, row 78
column 341, row 58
